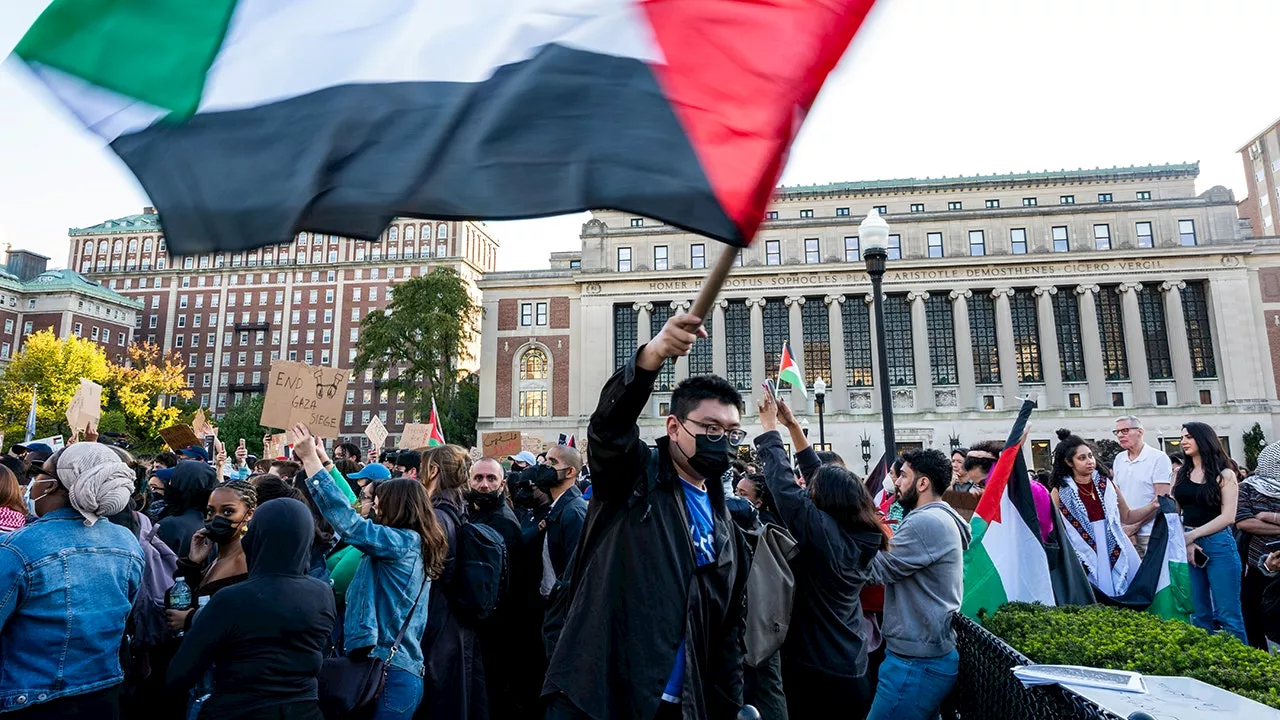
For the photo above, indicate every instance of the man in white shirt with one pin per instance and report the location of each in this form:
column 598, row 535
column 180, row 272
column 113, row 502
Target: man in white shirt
column 1142, row 472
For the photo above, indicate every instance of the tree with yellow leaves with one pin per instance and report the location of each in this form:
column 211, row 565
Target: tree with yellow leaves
column 139, row 390
column 54, row 367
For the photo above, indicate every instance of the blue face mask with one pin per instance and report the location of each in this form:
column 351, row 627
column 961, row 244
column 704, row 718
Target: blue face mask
column 31, row 502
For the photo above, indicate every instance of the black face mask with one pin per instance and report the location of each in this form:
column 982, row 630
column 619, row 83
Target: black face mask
column 711, row 458
column 545, row 477
column 485, row 502
column 220, row 529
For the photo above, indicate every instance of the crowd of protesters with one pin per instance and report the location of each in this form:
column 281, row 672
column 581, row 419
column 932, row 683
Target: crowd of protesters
column 638, row 585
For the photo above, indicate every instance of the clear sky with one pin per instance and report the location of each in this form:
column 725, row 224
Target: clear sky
column 929, row 88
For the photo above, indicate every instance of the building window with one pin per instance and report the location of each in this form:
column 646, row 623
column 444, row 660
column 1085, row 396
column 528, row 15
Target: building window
column 982, row 332
column 955, row 205
column 660, row 257
column 817, row 340
column 701, row 356
column 897, row 334
column 811, row 254
column 993, row 204
column 894, row 251
column 1145, row 238
column 1102, row 236
column 1029, row 202
column 1195, row 312
column 1155, row 336
column 658, row 318
column 917, row 207
column 637, row 222
column 771, row 215
column 842, row 212
column 777, row 330
column 1117, row 399
column 1206, row 397
column 624, row 334
column 1111, row 331
column 1144, row 194
column 539, row 313
column 977, row 243
column 851, row 253
column 881, row 209
column 698, row 256
column 1067, row 200
column 624, row 259
column 806, row 213
column 942, row 345
column 533, row 365
column 855, row 321
column 737, row 328
column 988, row 402
column 1162, row 397
column 772, row 252
column 526, row 314
column 533, row 403
column 1026, row 336
column 1187, row 232
column 1061, row 243
column 935, row 244
column 1018, row 241
column 1104, row 197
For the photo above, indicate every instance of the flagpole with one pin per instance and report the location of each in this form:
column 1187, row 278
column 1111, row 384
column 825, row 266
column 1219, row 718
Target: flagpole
column 715, row 280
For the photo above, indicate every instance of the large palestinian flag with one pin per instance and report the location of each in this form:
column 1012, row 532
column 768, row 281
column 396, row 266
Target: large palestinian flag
column 1162, row 584
column 249, row 120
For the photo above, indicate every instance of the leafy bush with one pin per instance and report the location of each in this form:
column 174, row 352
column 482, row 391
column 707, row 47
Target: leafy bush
column 1118, row 639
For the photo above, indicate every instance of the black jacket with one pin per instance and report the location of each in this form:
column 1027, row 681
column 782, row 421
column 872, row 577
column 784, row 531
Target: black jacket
column 266, row 637
column 636, row 588
column 564, row 527
column 826, row 621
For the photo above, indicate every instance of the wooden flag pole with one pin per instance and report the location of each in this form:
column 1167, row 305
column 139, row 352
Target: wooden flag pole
column 711, row 286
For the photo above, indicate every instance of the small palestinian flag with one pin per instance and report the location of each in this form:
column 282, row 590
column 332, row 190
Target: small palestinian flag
column 437, row 435
column 789, row 370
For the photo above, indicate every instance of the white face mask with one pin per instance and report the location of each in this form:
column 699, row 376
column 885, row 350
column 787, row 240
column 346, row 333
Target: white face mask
column 31, row 501
column 889, row 488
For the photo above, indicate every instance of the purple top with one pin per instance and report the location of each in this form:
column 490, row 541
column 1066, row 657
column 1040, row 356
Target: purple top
column 1044, row 509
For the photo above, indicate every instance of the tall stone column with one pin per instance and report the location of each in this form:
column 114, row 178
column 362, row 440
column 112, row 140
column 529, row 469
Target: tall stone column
column 1176, row 325
column 643, row 333
column 1050, row 359
column 795, row 326
column 920, row 351
column 875, row 352
column 838, row 395
column 1092, row 342
column 964, row 349
column 719, row 350
column 1009, row 377
column 1134, row 347
column 758, row 371
column 682, row 362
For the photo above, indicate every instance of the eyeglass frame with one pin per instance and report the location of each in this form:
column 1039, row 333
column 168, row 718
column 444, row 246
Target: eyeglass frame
column 721, row 432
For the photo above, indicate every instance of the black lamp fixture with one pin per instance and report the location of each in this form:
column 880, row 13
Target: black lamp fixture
column 874, row 234
column 866, row 453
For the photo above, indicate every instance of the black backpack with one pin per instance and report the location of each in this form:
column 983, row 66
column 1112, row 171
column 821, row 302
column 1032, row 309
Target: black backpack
column 480, row 569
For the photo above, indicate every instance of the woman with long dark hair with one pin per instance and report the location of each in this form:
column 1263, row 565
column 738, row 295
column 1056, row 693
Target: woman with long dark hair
column 834, row 521
column 1095, row 512
column 1207, row 492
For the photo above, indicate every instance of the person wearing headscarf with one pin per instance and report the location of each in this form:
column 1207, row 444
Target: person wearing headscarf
column 68, row 582
column 265, row 638
column 1258, row 520
column 187, row 488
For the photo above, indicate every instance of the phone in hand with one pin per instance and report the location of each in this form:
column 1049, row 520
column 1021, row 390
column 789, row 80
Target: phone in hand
column 770, row 389
column 1198, row 558
column 1272, row 545
column 208, row 445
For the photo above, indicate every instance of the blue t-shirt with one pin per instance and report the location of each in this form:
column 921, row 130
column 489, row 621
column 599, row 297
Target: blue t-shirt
column 702, row 530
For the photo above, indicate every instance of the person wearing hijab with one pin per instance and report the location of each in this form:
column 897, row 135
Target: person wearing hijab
column 68, row 582
column 186, row 497
column 1258, row 522
column 265, row 638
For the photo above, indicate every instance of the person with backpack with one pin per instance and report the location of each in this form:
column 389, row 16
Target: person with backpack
column 454, row 681
column 403, row 551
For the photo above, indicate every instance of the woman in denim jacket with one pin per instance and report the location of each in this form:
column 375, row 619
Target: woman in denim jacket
column 404, row 549
column 67, row 585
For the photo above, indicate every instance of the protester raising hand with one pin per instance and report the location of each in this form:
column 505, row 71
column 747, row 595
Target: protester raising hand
column 674, row 340
column 241, row 453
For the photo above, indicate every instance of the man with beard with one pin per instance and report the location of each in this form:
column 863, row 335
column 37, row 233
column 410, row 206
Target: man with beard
column 923, row 575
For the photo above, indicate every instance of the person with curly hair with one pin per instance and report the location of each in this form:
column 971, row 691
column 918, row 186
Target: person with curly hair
column 226, row 520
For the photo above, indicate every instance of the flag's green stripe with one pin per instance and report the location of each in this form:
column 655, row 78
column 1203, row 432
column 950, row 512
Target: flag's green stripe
column 790, row 374
column 983, row 588
column 1173, row 602
column 156, row 51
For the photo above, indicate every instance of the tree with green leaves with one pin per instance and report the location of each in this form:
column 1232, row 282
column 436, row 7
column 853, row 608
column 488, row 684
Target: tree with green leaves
column 241, row 421
column 1254, row 441
column 138, row 392
column 53, row 367
column 416, row 346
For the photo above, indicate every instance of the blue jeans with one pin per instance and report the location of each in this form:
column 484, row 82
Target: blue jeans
column 400, row 696
column 913, row 688
column 1215, row 588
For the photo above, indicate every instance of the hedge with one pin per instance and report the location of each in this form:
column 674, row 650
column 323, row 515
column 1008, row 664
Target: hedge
column 1118, row 639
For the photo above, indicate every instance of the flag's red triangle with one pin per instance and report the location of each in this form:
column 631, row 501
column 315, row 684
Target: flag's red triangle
column 997, row 483
column 741, row 75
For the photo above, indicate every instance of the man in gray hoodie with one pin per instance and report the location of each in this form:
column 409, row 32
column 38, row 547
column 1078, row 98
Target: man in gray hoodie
column 923, row 575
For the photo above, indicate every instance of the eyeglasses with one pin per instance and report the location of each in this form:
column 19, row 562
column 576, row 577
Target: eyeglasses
column 1122, row 431
column 714, row 432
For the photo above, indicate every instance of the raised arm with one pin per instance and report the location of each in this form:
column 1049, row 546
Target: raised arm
column 807, row 461
column 798, row 513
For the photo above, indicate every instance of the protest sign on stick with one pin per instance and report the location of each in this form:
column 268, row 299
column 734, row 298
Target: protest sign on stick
column 86, row 406
column 415, row 436
column 299, row 393
column 178, row 437
column 376, row 432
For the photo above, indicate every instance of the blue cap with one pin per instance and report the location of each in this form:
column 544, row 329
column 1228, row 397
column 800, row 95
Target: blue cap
column 372, row 471
column 195, row 452
column 164, row 474
column 36, row 447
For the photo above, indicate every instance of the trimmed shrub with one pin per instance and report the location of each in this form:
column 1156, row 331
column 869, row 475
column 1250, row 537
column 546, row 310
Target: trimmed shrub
column 1119, row 639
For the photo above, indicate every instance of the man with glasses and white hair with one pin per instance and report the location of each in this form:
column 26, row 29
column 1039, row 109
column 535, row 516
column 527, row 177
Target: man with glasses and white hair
column 1142, row 472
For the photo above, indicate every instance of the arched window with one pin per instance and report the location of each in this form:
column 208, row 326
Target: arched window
column 393, row 234
column 133, row 245
column 533, row 399
column 533, row 365
column 88, row 248
column 102, row 246
column 116, row 246
column 408, row 232
column 146, row 245
column 443, row 232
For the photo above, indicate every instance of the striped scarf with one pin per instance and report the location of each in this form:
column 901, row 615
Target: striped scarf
column 1078, row 516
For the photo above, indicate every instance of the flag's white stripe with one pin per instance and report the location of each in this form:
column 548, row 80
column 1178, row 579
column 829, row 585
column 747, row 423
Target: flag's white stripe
column 279, row 49
column 1018, row 557
column 102, row 111
column 1175, row 549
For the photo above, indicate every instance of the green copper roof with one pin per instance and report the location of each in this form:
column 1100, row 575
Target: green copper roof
column 72, row 281
column 1113, row 173
column 149, row 222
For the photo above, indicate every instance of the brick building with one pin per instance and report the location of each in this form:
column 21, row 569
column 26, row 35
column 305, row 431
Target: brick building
column 1261, row 157
column 229, row 314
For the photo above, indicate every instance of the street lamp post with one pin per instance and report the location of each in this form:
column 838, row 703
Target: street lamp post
column 874, row 235
column 819, row 401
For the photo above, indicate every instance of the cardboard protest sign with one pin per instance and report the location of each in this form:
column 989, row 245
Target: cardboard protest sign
column 415, row 436
column 275, row 446
column 300, row 393
column 535, row 445
column 86, row 405
column 180, row 436
column 376, row 432
column 501, row 444
column 200, row 425
column 474, row 453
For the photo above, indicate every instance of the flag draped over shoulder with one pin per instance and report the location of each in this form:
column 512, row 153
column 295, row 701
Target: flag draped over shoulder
column 249, row 120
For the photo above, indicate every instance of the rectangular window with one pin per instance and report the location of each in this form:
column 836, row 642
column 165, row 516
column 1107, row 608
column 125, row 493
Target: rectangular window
column 310, row 356
column 771, row 215
column 533, row 403
column 1155, row 337
column 182, row 321
column 1144, row 194
column 1018, row 241
column 898, row 340
column 1104, row 197
column 1026, row 336
column 935, row 244
column 1029, row 202
column 698, row 256
column 806, row 213
column 1102, row 236
column 701, row 356
column 881, row 209
column 737, row 329
column 1061, row 242
column 1206, row 397
column 526, row 314
column 151, row 322
column 658, row 317
column 328, row 295
column 540, row 313
column 660, row 257
column 894, row 251
column 817, row 339
column 1067, row 200
column 982, row 333
column 1195, row 313
column 851, row 253
column 1117, row 399
column 624, row 334
column 977, row 243
column 811, row 254
column 637, row 222
column 917, row 207
column 955, row 205
column 842, row 212
column 1145, row 237
column 1162, row 397
column 772, row 252
column 1111, row 332
column 182, row 301
column 1187, row 232
column 624, row 259
column 777, row 330
column 942, row 345
column 993, row 204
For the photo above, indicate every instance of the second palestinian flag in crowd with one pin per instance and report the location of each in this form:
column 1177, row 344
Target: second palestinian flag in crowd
column 789, row 370
column 436, row 439
column 249, row 120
